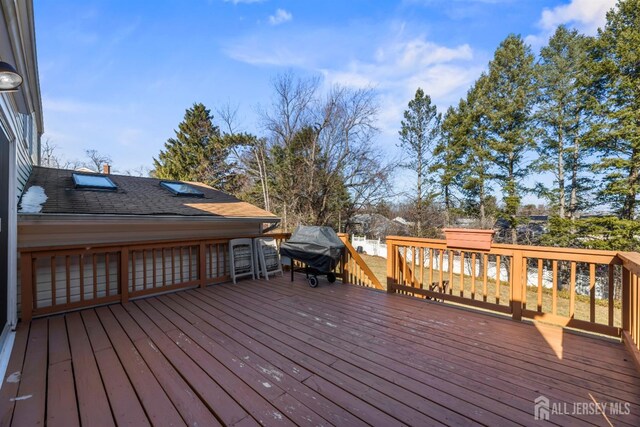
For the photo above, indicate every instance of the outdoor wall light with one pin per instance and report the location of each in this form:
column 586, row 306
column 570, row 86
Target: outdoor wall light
column 9, row 77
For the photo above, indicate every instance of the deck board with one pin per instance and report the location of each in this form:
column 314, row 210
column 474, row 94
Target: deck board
column 280, row 353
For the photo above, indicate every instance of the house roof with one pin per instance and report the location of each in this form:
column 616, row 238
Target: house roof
column 52, row 191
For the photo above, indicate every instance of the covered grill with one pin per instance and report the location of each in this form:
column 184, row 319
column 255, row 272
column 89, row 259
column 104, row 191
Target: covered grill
column 319, row 248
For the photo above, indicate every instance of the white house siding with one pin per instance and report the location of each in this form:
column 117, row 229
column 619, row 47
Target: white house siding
column 20, row 122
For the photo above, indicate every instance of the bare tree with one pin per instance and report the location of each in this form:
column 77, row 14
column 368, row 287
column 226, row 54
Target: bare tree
column 48, row 155
column 97, row 160
column 322, row 162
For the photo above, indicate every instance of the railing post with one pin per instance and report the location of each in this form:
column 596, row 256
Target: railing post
column 345, row 258
column 517, row 285
column 124, row 274
column 391, row 252
column 626, row 299
column 26, row 282
column 202, row 264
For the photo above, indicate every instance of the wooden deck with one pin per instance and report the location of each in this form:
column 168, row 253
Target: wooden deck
column 281, row 353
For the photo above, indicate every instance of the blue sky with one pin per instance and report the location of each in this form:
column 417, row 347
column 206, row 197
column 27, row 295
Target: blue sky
column 117, row 76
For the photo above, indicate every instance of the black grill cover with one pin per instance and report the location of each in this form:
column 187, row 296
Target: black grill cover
column 319, row 247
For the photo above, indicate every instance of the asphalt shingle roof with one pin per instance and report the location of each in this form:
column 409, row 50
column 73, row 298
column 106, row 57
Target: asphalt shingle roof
column 134, row 196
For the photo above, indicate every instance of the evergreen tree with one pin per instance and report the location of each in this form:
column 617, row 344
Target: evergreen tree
column 510, row 95
column 617, row 70
column 563, row 121
column 197, row 153
column 448, row 160
column 418, row 137
column 467, row 129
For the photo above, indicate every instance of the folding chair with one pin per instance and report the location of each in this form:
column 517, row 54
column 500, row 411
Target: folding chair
column 268, row 257
column 241, row 258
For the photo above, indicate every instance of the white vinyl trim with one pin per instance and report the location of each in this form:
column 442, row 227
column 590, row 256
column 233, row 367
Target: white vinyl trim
column 6, row 345
column 12, row 249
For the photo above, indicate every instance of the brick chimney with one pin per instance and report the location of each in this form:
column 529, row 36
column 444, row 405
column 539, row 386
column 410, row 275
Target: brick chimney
column 106, row 169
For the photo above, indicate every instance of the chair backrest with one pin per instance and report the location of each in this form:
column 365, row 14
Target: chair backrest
column 241, row 258
column 268, row 256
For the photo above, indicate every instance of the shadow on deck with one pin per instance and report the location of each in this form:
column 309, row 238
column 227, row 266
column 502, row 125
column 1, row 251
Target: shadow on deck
column 281, row 353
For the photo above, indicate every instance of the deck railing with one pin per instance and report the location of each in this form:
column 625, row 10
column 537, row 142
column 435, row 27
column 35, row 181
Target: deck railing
column 353, row 268
column 589, row 290
column 65, row 278
column 631, row 303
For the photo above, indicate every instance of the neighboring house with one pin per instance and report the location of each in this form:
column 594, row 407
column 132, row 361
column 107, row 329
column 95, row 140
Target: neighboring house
column 102, row 215
column 20, row 129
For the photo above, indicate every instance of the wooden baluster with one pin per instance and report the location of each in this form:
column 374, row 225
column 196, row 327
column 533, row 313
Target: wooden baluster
column 626, row 299
column 592, row 292
column 498, row 275
column 218, row 261
column 124, row 274
column 525, row 281
column 390, row 266
column 441, row 268
column 210, row 253
column 134, row 264
column 164, row 269
column 413, row 265
column 153, row 260
column 430, row 268
column 421, row 261
column 81, row 260
column 517, row 296
column 572, row 290
column 462, row 274
column 485, row 276
column 190, row 259
column 610, row 270
column 173, row 266
column 404, row 266
column 54, row 282
column 28, row 285
column 554, row 292
column 202, row 264
column 181, row 265
column 144, row 269
column 450, row 257
column 67, row 264
column 540, row 277
column 473, row 275
column 107, row 265
column 94, row 265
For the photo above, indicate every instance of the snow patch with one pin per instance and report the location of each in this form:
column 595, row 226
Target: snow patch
column 14, row 378
column 25, row 397
column 33, row 200
column 267, row 385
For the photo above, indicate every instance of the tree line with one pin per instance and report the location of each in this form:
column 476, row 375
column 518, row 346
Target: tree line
column 316, row 163
column 573, row 113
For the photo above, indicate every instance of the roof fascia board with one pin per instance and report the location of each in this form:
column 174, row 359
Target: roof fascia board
column 51, row 218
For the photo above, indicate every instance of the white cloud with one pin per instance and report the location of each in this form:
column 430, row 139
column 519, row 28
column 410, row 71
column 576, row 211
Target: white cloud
column 394, row 62
column 584, row 15
column 280, row 17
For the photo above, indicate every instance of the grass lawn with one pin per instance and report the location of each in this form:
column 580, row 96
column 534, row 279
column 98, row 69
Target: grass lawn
column 582, row 311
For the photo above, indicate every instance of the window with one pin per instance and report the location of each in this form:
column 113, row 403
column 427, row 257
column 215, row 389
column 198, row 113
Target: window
column 181, row 189
column 93, row 182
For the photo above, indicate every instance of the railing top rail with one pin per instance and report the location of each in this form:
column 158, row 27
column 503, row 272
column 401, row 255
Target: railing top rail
column 503, row 246
column 630, row 261
column 117, row 245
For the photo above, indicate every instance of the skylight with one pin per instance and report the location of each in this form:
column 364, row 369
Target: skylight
column 94, row 182
column 181, row 189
